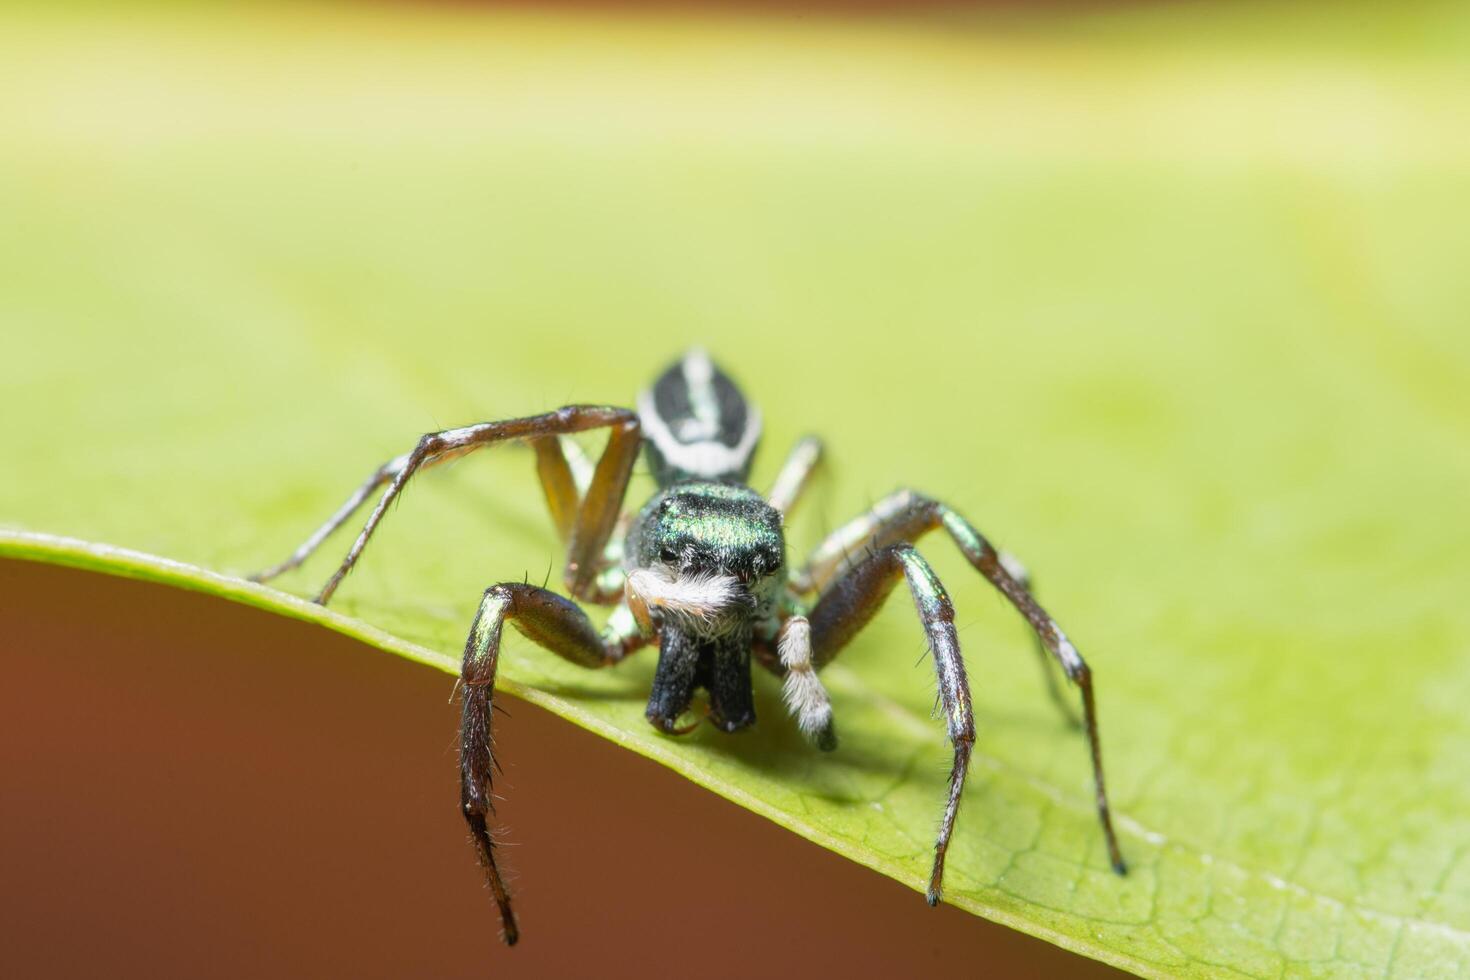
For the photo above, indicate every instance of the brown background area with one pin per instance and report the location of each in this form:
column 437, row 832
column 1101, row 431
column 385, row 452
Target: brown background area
column 192, row 787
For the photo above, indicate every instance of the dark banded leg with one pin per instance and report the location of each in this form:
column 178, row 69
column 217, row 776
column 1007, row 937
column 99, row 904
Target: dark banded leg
column 1043, row 656
column 551, row 622
column 906, row 516
column 796, row 474
column 852, row 601
column 382, row 475
column 593, row 514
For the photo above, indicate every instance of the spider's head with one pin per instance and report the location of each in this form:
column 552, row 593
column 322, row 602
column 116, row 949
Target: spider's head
column 711, row 555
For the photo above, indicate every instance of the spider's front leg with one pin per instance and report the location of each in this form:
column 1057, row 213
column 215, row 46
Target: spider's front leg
column 905, row 516
column 554, row 623
column 853, row 600
column 586, row 519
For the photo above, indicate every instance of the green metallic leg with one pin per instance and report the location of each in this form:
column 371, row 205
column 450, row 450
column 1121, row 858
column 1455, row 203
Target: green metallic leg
column 586, row 519
column 852, row 601
column 551, row 622
column 906, row 516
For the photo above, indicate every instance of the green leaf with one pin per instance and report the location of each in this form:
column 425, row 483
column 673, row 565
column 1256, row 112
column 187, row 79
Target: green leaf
column 1174, row 309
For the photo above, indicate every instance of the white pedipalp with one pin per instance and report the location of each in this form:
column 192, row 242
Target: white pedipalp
column 801, row 689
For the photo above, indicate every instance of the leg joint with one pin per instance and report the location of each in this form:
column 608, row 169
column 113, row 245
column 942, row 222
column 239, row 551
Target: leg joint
column 912, row 497
column 1080, row 673
column 504, row 596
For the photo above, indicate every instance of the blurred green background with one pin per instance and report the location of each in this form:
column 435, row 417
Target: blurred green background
column 1168, row 298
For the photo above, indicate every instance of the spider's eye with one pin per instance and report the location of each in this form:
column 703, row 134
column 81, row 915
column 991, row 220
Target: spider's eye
column 668, row 554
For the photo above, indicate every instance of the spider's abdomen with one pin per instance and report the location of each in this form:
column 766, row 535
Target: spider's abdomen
column 697, row 424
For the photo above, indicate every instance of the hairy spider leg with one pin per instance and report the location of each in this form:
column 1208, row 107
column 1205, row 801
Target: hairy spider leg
column 796, row 474
column 905, row 516
column 552, row 622
column 850, row 602
column 595, row 512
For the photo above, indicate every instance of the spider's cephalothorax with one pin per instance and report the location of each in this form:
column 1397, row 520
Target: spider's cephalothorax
column 700, row 570
column 706, row 563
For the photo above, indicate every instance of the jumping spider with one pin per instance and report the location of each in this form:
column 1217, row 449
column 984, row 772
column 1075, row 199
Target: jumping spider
column 701, row 571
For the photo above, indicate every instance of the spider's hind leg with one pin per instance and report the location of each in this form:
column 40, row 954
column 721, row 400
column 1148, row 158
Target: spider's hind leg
column 1017, row 571
column 554, row 623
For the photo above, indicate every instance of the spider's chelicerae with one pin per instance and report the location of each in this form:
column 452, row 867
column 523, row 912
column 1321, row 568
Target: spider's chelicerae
column 701, row 572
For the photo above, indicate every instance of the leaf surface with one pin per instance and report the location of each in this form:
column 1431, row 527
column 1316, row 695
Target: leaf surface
column 1174, row 310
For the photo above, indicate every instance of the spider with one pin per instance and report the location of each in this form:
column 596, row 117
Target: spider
column 701, row 572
